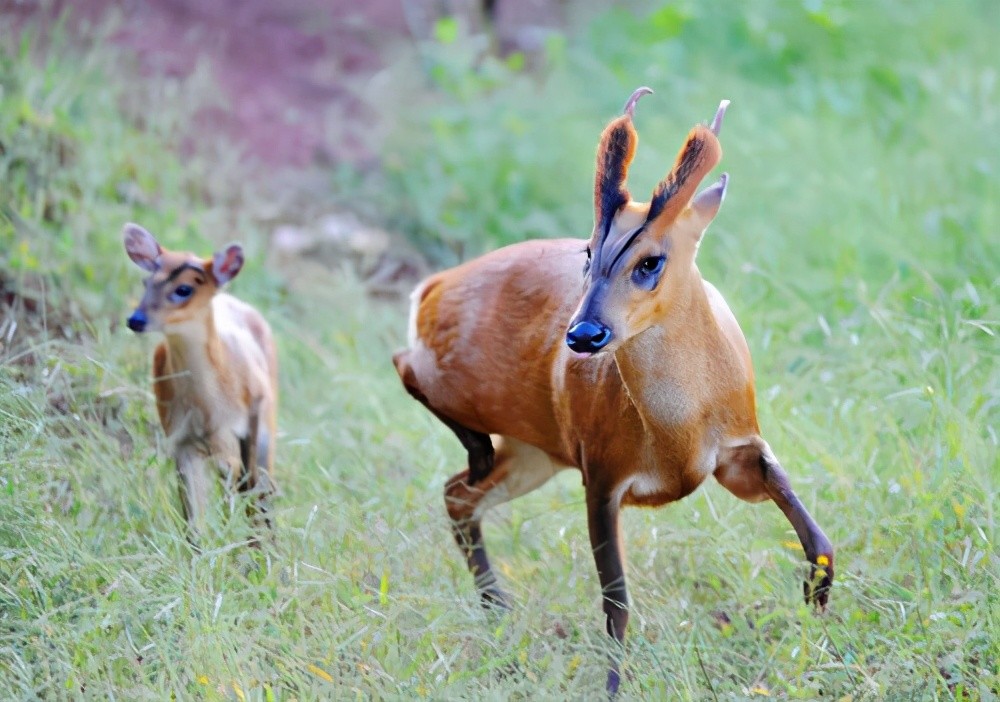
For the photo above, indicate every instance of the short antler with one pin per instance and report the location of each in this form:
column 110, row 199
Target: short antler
column 614, row 156
column 629, row 110
column 719, row 114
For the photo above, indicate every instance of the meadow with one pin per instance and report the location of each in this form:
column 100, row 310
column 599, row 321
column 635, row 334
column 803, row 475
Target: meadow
column 859, row 246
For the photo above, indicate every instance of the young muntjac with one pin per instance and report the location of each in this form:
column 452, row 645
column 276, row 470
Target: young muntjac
column 643, row 383
column 215, row 376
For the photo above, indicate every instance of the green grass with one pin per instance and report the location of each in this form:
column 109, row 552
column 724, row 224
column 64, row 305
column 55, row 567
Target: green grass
column 858, row 247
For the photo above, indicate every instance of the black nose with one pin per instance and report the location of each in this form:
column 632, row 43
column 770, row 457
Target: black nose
column 588, row 337
column 137, row 322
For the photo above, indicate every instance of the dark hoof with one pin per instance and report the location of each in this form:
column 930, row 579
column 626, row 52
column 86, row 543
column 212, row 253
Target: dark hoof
column 817, row 587
column 495, row 599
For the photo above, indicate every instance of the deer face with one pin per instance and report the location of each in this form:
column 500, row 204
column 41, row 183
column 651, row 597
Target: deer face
column 180, row 286
column 640, row 253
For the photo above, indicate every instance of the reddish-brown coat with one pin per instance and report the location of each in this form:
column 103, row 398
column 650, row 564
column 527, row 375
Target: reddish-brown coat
column 666, row 400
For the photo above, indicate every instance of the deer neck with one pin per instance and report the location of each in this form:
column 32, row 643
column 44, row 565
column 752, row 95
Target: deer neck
column 664, row 368
column 195, row 349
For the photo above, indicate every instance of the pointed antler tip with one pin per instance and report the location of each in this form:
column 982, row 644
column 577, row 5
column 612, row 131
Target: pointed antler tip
column 719, row 114
column 634, row 98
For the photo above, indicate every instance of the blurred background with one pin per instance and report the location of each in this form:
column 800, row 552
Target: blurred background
column 355, row 147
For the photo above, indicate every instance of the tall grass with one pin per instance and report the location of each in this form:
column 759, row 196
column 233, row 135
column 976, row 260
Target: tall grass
column 858, row 246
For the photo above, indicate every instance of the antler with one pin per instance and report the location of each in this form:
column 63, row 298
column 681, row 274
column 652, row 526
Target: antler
column 717, row 120
column 629, row 109
column 614, row 156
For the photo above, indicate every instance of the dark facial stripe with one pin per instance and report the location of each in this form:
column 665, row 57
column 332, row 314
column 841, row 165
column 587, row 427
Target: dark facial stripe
column 625, row 246
column 180, row 269
column 592, row 302
column 618, row 257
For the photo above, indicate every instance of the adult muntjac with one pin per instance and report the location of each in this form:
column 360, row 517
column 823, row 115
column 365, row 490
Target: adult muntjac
column 215, row 375
column 642, row 381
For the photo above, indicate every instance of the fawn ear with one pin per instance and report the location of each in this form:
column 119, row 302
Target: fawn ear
column 227, row 263
column 141, row 247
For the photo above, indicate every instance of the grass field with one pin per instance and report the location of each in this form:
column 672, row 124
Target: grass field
column 859, row 246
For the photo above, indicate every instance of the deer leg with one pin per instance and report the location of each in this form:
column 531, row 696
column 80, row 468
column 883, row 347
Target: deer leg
column 816, row 545
column 519, row 469
column 752, row 473
column 605, row 539
column 477, row 444
column 196, row 480
column 253, row 481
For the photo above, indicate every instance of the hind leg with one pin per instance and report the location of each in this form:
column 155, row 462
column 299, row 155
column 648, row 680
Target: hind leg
column 476, row 443
column 255, row 456
column 519, row 468
column 751, row 472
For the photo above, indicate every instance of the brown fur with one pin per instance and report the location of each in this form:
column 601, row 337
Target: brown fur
column 667, row 403
column 215, row 376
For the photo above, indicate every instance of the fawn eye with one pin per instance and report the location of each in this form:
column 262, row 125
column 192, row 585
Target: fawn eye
column 647, row 272
column 181, row 292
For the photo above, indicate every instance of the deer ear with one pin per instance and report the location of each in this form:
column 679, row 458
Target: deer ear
column 141, row 247
column 227, row 263
column 706, row 204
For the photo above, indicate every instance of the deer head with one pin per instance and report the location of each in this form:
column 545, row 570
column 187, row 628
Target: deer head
column 640, row 254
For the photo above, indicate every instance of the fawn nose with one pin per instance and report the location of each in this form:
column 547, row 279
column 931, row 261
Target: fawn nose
column 588, row 337
column 137, row 322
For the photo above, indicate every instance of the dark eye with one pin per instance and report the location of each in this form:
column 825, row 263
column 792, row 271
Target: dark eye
column 181, row 292
column 586, row 266
column 646, row 272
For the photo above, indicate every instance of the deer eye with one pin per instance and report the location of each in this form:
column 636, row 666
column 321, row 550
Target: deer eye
column 647, row 272
column 181, row 292
column 586, row 266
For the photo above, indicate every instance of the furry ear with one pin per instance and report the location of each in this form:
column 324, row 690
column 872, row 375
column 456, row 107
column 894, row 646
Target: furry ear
column 614, row 155
column 226, row 263
column 141, row 247
column 706, row 204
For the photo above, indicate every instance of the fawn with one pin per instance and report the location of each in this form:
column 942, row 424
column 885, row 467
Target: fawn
column 215, row 375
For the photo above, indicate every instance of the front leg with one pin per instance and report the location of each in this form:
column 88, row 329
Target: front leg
column 751, row 472
column 816, row 545
column 195, row 476
column 602, row 518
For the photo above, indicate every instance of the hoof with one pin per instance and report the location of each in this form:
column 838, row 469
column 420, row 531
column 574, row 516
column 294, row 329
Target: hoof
column 817, row 588
column 495, row 599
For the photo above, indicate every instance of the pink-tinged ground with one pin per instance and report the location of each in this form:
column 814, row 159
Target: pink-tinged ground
column 289, row 72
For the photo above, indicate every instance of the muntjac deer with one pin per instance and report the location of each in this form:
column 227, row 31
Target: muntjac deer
column 215, row 376
column 642, row 381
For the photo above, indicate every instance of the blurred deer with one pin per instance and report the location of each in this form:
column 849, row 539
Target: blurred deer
column 642, row 380
column 215, row 375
